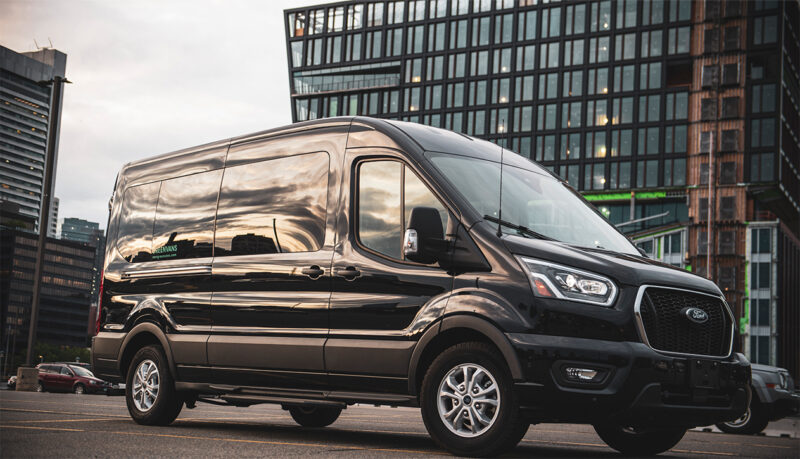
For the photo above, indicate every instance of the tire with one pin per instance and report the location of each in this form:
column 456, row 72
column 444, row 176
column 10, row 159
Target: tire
column 753, row 421
column 316, row 416
column 639, row 441
column 502, row 426
column 39, row 387
column 150, row 407
column 79, row 389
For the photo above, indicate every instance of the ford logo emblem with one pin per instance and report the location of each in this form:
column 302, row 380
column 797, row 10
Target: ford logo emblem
column 696, row 315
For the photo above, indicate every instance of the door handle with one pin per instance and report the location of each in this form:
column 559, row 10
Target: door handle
column 349, row 273
column 313, row 272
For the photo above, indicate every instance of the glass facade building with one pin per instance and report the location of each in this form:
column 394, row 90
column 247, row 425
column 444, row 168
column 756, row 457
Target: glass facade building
column 24, row 122
column 631, row 102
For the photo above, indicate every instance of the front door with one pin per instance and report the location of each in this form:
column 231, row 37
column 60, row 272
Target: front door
column 378, row 296
column 271, row 273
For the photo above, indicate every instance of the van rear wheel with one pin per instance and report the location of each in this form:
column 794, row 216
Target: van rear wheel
column 150, row 388
column 315, row 416
column 468, row 402
column 638, row 441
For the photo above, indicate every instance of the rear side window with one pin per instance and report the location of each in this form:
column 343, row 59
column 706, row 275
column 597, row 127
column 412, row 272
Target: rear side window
column 184, row 224
column 273, row 206
column 135, row 240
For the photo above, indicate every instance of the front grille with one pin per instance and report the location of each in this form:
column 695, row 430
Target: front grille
column 667, row 328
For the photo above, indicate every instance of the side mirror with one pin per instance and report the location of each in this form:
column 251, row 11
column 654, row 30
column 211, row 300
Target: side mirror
column 424, row 238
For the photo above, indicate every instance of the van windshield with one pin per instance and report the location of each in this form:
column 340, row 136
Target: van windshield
column 544, row 206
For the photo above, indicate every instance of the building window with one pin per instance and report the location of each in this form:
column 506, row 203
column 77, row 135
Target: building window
column 573, row 83
column 598, row 81
column 761, row 240
column 477, row 93
column 678, row 40
column 503, row 28
column 576, row 19
column 297, row 24
column 727, row 208
column 647, row 173
column 571, row 114
column 335, row 19
column 456, row 64
column 526, row 26
column 762, row 167
column 675, row 172
column 765, row 30
column 500, row 90
column 675, row 139
column 762, row 132
column 501, row 62
column 523, row 119
column 711, row 41
column 546, row 117
column 414, row 37
column 476, row 122
column 355, row 17
column 479, row 63
column 352, row 51
column 297, row 53
column 458, row 34
column 730, row 107
column 570, row 146
column 437, row 8
column 620, row 175
column 551, row 22
column 597, row 112
column 334, row 50
column 374, row 14
column 727, row 175
column 394, row 42
column 394, row 12
column 373, row 45
column 650, row 76
column 545, row 147
column 727, row 242
column 732, row 38
column 622, row 142
column 677, row 106
column 763, row 98
column 651, row 43
column 648, row 141
column 436, row 36
column 595, row 176
column 680, row 10
column 624, row 78
column 548, row 55
column 653, row 12
column 730, row 140
column 413, row 70
column 455, row 95
column 626, row 13
column 573, row 52
column 600, row 19
column 498, row 119
column 412, row 99
column 649, row 108
column 598, row 49
column 708, row 109
column 525, row 59
column 416, row 10
column 523, row 88
column 596, row 144
column 480, row 31
column 316, row 22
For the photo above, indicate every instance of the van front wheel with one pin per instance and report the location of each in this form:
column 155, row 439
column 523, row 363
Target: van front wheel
column 468, row 402
column 150, row 389
column 315, row 416
column 637, row 441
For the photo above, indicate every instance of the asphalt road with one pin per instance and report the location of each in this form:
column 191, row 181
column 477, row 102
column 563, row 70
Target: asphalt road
column 68, row 425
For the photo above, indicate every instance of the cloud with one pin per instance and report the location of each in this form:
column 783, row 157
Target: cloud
column 151, row 77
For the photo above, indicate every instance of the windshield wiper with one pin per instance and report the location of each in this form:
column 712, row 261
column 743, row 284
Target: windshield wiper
column 520, row 229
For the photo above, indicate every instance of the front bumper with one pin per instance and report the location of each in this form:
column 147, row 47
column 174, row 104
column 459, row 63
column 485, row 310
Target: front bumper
column 635, row 385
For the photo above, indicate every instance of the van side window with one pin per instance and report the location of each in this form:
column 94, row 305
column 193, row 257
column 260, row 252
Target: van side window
column 387, row 191
column 135, row 241
column 184, row 225
column 273, row 206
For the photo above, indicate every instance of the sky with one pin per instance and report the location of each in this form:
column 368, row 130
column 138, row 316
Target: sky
column 152, row 76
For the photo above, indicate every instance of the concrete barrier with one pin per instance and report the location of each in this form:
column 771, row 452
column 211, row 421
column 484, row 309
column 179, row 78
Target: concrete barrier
column 27, row 379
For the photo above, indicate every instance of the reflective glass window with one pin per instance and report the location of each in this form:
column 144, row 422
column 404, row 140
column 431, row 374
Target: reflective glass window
column 625, row 47
column 259, row 214
column 576, row 19
column 525, row 59
column 624, row 78
column 598, row 49
column 600, row 19
column 135, row 233
column 598, row 81
column 678, row 40
column 184, row 224
column 526, row 26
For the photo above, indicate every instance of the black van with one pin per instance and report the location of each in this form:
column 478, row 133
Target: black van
column 353, row 260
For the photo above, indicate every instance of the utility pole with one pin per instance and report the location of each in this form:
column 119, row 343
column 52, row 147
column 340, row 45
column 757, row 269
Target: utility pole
column 57, row 85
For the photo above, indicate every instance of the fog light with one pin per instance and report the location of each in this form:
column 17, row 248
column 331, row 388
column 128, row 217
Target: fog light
column 580, row 374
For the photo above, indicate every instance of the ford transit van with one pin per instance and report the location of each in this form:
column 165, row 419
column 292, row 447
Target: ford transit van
column 357, row 260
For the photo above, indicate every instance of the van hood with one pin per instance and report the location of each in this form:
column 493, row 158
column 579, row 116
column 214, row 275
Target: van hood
column 624, row 269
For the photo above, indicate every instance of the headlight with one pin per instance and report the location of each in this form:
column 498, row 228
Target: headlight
column 558, row 281
column 784, row 380
column 92, row 382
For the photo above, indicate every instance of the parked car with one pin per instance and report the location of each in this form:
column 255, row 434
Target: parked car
column 60, row 377
column 356, row 260
column 774, row 397
column 12, row 383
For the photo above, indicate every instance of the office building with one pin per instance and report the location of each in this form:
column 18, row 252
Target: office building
column 24, row 123
column 52, row 221
column 76, row 229
column 65, row 292
column 633, row 103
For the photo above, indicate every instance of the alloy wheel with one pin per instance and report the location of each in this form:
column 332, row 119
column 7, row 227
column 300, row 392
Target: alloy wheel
column 145, row 385
column 469, row 400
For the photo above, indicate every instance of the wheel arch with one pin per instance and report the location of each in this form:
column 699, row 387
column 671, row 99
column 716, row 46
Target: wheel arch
column 452, row 330
column 141, row 335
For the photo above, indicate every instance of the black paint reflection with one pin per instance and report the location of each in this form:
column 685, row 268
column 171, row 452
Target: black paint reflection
column 273, row 206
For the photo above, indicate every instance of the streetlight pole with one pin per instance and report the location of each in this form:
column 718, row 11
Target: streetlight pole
column 47, row 195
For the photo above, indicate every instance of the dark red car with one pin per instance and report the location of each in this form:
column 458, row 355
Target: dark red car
column 60, row 377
